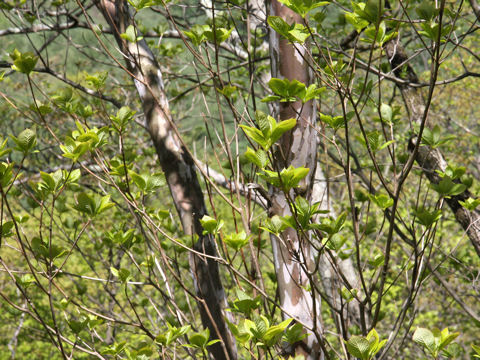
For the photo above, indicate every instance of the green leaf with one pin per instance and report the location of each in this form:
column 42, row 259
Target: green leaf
column 211, row 342
column 115, row 349
column 288, row 90
column 294, row 33
column 77, row 326
column 23, row 62
column 375, row 344
column 358, row 346
column 356, row 20
column 433, row 137
column 302, row 7
column 200, row 33
column 347, row 295
column 372, row 11
column 228, row 91
column 295, row 333
column 447, row 187
column 266, row 136
column 378, row 34
column 259, row 157
column 426, row 217
column 3, row 148
column 382, row 201
column 25, row 280
column 122, row 118
column 470, row 204
column 48, row 251
column 244, row 303
column 304, row 212
column 209, row 224
column 141, row 4
column 241, row 332
column 6, row 229
column 97, row 80
column 123, row 275
column 375, row 141
column 387, row 113
column 261, row 326
column 172, row 334
column 221, row 34
column 91, row 205
column 452, row 172
column 104, row 204
column 25, row 141
column 335, row 122
column 6, row 174
column 274, row 225
column 424, row 337
column 197, row 34
column 312, row 92
column 447, row 339
column 273, row 333
column 377, row 260
column 298, row 34
column 51, row 182
column 264, row 122
column 237, row 240
column 281, row 128
column 200, row 339
column 279, row 25
column 477, row 350
column 426, row 10
column 148, row 182
column 288, row 179
column 130, row 34
column 256, row 135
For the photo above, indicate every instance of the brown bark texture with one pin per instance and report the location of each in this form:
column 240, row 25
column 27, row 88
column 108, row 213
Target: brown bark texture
column 298, row 147
column 180, row 173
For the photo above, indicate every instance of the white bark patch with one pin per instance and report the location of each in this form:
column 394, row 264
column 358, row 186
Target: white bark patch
column 274, row 41
column 275, row 255
column 287, row 271
column 220, row 294
column 297, row 138
column 160, row 79
column 158, row 126
column 300, row 54
column 287, row 303
column 208, row 6
column 282, row 202
column 142, row 90
column 171, row 144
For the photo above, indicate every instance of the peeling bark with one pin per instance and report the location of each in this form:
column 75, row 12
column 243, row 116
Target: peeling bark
column 297, row 148
column 429, row 159
column 180, row 173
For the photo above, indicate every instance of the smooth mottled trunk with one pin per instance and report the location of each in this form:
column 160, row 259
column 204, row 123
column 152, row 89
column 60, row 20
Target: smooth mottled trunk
column 430, row 160
column 180, row 173
column 297, row 148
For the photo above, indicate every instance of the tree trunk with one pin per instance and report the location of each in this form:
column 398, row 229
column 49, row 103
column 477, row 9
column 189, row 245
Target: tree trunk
column 297, row 148
column 430, row 160
column 180, row 173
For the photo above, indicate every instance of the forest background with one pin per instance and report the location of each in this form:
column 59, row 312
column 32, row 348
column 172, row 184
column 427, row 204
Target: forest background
column 239, row 179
